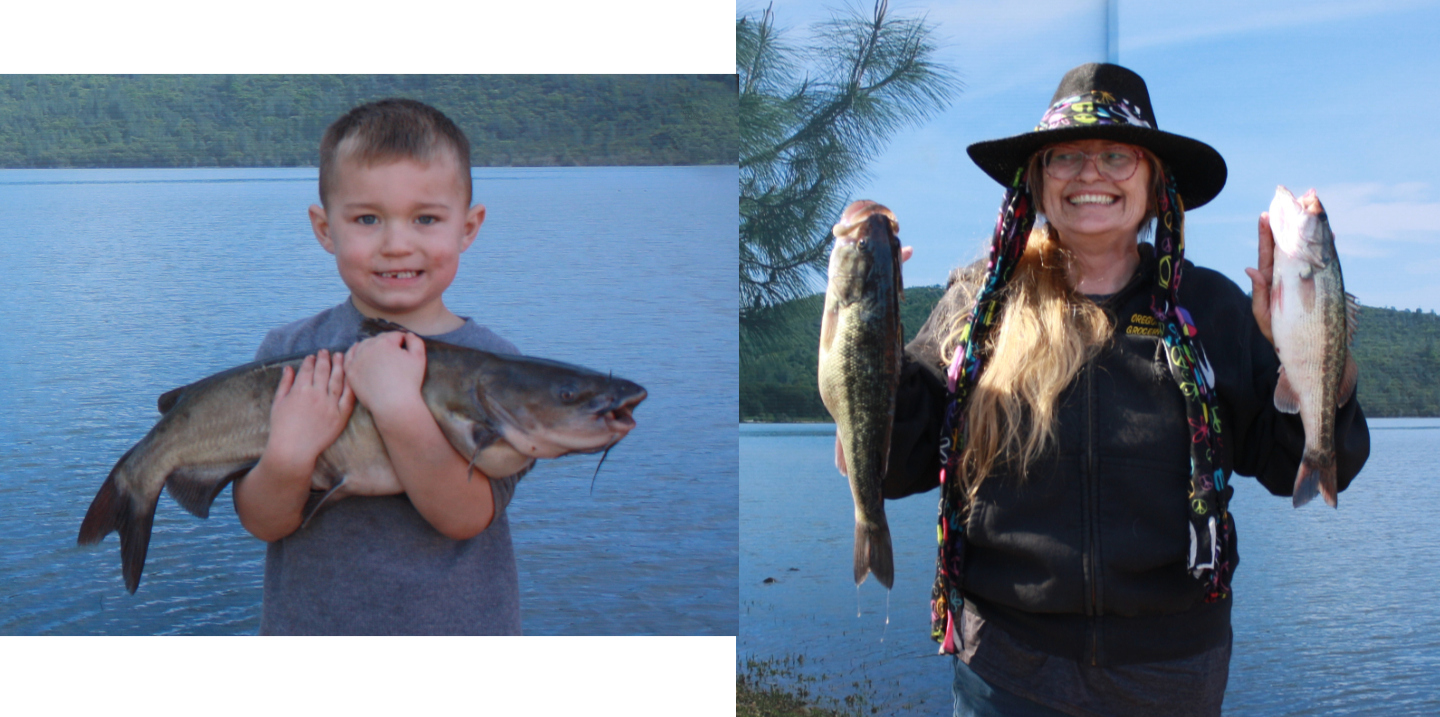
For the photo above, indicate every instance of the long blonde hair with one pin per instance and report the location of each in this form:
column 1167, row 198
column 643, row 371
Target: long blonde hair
column 1047, row 332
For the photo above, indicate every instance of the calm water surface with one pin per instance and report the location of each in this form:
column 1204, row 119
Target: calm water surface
column 124, row 284
column 1336, row 612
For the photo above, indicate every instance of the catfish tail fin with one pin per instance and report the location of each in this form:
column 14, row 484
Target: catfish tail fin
column 114, row 511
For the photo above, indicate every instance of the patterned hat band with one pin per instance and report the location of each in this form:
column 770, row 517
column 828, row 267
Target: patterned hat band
column 1090, row 109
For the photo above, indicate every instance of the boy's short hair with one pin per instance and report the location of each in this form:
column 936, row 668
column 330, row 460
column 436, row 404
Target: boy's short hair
column 393, row 128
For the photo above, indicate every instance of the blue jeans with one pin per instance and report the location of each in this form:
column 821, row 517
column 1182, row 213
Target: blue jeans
column 974, row 697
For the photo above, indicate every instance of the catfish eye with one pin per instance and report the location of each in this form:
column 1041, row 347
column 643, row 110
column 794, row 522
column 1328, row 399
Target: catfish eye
column 565, row 392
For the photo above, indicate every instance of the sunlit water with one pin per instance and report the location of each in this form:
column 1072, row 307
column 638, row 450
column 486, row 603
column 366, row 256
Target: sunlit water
column 123, row 284
column 1336, row 612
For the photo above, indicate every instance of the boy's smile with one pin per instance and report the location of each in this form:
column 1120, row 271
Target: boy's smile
column 397, row 229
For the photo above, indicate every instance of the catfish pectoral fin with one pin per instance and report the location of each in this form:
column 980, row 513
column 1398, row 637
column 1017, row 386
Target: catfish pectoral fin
column 195, row 487
column 317, row 499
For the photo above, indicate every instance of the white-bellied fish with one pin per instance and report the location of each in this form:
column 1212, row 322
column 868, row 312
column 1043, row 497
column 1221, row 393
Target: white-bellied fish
column 496, row 409
column 1312, row 320
column 860, row 354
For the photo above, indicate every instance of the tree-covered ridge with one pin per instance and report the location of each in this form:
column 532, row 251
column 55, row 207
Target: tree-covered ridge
column 277, row 120
column 1397, row 351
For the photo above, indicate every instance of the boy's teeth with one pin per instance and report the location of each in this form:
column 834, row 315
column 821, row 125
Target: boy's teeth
column 1092, row 199
column 398, row 274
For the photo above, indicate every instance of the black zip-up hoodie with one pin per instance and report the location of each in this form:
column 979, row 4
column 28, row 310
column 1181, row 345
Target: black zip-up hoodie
column 1086, row 557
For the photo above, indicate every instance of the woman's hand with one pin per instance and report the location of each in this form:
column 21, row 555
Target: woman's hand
column 1260, row 278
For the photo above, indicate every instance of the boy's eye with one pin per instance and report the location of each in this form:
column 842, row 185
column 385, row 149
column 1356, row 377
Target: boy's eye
column 426, row 219
column 367, row 219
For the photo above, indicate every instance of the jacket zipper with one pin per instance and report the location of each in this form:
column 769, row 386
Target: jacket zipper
column 1091, row 499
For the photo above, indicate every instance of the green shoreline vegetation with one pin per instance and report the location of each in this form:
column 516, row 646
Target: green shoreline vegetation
column 780, row 687
column 1397, row 351
column 102, row 121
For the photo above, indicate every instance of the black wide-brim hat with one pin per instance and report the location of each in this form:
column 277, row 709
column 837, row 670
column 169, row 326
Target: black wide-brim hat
column 1102, row 101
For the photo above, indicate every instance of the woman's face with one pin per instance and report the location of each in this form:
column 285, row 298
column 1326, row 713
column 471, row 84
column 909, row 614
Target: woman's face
column 1091, row 206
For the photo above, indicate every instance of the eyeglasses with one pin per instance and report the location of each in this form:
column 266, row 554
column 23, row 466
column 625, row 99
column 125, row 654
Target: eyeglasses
column 1116, row 164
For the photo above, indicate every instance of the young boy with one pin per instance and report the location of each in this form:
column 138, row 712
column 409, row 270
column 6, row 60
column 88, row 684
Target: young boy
column 434, row 555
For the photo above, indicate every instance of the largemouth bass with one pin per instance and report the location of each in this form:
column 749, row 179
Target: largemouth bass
column 1312, row 320
column 860, row 354
column 498, row 410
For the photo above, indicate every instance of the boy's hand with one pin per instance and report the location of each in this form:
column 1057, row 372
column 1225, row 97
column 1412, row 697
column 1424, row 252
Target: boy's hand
column 386, row 371
column 310, row 410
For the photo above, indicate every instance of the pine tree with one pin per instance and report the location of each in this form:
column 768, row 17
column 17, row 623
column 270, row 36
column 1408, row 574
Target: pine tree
column 811, row 119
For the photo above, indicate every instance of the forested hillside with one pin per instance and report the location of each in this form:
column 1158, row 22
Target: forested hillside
column 1396, row 351
column 277, row 120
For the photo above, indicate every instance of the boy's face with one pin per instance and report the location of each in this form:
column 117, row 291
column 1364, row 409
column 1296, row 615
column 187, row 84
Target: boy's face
column 397, row 230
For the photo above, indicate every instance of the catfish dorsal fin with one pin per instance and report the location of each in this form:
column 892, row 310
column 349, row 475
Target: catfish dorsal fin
column 374, row 327
column 169, row 398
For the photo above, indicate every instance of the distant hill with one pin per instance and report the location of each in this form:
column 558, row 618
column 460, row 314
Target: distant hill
column 1396, row 351
column 277, row 120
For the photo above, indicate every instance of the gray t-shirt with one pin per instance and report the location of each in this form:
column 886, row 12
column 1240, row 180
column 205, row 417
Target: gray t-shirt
column 373, row 565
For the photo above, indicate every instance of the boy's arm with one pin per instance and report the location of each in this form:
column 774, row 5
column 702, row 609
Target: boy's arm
column 310, row 411
column 386, row 373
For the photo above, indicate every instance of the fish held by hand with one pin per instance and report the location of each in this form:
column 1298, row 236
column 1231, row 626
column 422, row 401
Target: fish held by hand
column 861, row 345
column 1312, row 321
column 500, row 411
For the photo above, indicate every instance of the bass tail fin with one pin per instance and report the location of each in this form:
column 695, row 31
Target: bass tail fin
column 113, row 511
column 873, row 554
column 1316, row 476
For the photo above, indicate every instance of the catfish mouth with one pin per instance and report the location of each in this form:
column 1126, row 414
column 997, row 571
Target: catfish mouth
column 619, row 416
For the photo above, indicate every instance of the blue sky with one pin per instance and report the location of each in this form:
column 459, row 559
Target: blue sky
column 1336, row 96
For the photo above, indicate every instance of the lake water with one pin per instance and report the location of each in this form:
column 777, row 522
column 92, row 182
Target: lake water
column 1336, row 611
column 123, row 284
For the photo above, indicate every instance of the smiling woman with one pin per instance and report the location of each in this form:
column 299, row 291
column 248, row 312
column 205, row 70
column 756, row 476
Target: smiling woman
column 1087, row 548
